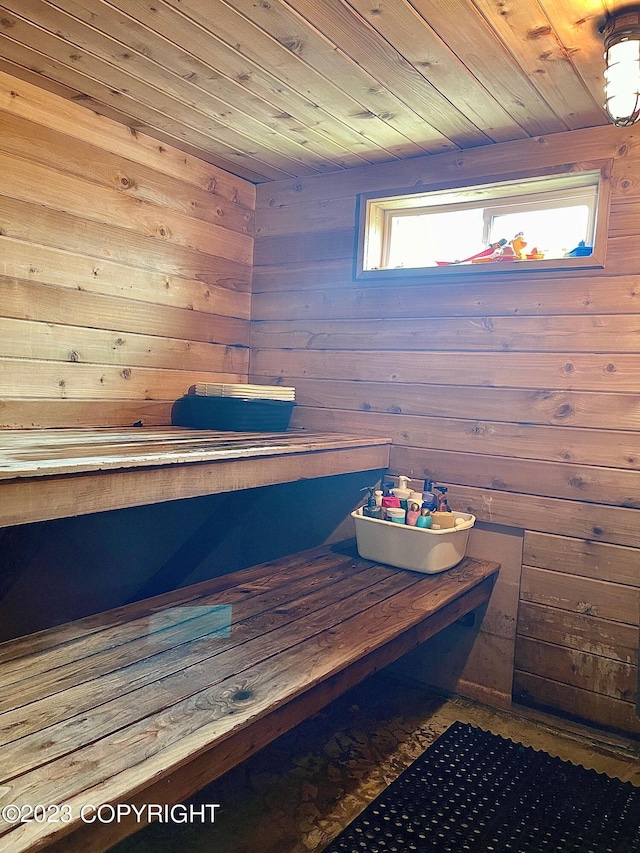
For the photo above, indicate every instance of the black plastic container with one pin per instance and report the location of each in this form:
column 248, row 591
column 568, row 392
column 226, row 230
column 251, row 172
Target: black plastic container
column 232, row 413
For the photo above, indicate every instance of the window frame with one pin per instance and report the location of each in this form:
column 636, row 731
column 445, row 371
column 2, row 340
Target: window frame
column 373, row 208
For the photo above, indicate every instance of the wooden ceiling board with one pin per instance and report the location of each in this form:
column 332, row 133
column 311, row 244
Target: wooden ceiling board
column 96, row 95
column 230, row 74
column 104, row 79
column 301, row 57
column 212, row 66
column 277, row 89
column 577, row 29
column 149, row 56
column 399, row 23
column 490, row 62
column 355, row 38
column 526, row 31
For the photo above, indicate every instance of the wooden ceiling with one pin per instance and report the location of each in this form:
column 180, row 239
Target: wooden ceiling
column 270, row 89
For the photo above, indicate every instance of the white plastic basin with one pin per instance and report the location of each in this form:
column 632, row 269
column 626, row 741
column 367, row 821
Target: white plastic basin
column 415, row 548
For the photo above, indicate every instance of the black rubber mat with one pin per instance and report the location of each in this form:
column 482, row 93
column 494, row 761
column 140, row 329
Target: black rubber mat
column 475, row 791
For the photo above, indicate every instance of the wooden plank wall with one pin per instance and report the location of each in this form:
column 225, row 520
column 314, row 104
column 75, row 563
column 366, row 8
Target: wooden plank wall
column 125, row 268
column 519, row 391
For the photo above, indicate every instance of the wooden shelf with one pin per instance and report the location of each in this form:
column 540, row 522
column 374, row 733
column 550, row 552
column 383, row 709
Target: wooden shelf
column 147, row 703
column 55, row 473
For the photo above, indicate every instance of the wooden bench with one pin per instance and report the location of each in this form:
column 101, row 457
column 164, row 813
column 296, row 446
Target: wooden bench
column 148, row 703
column 55, row 473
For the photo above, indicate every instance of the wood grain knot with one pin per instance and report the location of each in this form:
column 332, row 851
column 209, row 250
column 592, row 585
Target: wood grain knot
column 242, row 695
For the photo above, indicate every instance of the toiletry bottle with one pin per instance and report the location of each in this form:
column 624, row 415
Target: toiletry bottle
column 413, row 513
column 388, row 500
column 371, row 510
column 429, row 499
column 443, row 504
column 378, row 496
column 396, row 514
column 424, row 520
column 402, row 490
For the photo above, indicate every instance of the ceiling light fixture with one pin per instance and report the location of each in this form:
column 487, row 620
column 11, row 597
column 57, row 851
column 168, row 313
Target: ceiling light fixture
column 622, row 71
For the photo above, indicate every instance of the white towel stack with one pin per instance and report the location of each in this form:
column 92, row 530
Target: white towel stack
column 245, row 392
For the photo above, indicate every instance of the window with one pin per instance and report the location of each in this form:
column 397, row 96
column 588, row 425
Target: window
column 540, row 222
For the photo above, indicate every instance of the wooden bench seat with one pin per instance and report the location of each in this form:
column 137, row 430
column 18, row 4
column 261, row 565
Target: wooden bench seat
column 55, row 473
column 147, row 703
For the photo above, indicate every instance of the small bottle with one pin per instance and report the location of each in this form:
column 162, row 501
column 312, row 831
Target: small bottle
column 377, row 494
column 396, row 514
column 443, row 504
column 413, row 513
column 388, row 500
column 371, row 510
column 424, row 520
column 429, row 499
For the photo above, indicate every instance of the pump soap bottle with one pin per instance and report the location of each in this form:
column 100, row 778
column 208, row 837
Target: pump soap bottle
column 402, row 490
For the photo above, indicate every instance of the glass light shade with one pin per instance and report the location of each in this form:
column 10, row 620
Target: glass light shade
column 622, row 73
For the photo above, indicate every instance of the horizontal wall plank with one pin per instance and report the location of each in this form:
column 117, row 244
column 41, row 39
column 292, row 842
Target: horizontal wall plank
column 337, row 274
column 33, row 142
column 624, row 218
column 337, row 243
column 583, row 705
column 572, row 482
column 571, row 408
column 579, row 333
column 31, row 182
column 605, row 600
column 80, row 272
column 559, row 444
column 330, row 294
column 39, row 227
column 576, row 668
column 55, row 342
column 594, row 522
column 26, row 300
column 32, row 102
column 309, row 218
column 584, row 558
column 601, row 637
column 582, row 371
column 317, row 215
column 78, row 381
column 45, row 414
